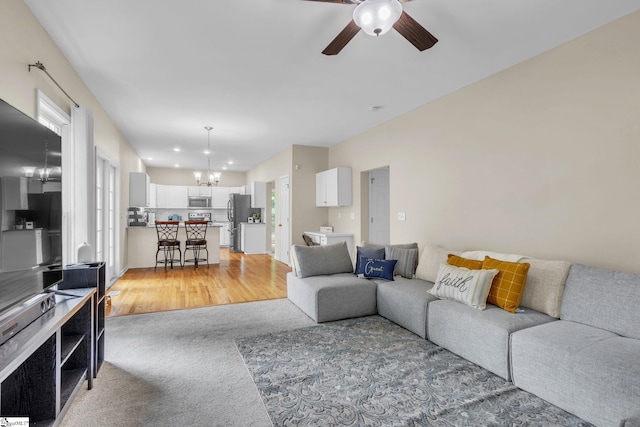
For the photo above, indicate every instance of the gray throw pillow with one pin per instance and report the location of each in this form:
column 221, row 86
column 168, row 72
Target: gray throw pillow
column 321, row 260
column 407, row 260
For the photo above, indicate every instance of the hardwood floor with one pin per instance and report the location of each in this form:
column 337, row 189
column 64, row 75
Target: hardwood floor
column 238, row 278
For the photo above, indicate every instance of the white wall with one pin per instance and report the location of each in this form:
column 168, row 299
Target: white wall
column 541, row 159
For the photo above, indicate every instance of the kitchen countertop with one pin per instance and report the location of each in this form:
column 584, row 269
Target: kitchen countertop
column 181, row 225
column 23, row 229
column 142, row 244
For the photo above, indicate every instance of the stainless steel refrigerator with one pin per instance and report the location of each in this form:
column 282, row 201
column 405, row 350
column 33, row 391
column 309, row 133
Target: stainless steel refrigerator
column 238, row 210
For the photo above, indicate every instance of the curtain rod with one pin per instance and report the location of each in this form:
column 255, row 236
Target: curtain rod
column 41, row 66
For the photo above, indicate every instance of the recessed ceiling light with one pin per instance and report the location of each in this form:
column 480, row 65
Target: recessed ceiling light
column 224, row 168
column 177, row 166
column 207, row 152
column 149, row 158
column 230, row 162
column 176, row 149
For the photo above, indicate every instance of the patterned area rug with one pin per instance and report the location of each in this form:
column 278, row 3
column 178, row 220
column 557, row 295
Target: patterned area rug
column 371, row 372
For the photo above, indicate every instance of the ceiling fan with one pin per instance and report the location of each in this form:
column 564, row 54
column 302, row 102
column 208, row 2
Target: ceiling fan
column 376, row 17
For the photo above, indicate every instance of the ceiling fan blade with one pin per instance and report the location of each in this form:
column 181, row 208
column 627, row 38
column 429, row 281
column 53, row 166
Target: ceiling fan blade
column 342, row 39
column 414, row 32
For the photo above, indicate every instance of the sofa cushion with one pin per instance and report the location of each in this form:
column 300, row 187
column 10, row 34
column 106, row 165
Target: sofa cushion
column 321, row 260
column 430, row 260
column 545, row 285
column 469, row 287
column 405, row 302
column 506, row 290
column 377, row 268
column 587, row 371
column 458, row 261
column 332, row 297
column 367, row 252
column 603, row 298
column 407, row 260
column 480, row 336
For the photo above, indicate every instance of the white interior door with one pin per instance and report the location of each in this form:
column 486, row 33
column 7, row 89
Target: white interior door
column 379, row 225
column 283, row 220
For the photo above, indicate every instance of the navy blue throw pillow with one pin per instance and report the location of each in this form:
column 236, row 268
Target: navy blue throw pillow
column 366, row 252
column 378, row 268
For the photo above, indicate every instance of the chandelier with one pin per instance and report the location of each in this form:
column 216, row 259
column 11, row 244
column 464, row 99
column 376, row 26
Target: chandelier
column 213, row 178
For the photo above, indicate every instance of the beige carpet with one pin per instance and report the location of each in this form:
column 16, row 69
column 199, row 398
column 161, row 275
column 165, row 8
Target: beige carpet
column 181, row 368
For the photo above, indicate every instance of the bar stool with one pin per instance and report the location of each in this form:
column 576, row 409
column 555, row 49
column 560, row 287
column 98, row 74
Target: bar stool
column 196, row 241
column 168, row 242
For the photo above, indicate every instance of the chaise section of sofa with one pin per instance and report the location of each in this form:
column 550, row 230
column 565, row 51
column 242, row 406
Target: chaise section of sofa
column 323, row 286
column 332, row 297
column 588, row 362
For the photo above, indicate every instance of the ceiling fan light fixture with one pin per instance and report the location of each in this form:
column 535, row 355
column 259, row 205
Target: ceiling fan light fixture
column 376, row 17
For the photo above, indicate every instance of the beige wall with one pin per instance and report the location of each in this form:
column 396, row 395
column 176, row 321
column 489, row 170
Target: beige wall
column 307, row 161
column 24, row 42
column 541, row 159
column 173, row 176
column 301, row 163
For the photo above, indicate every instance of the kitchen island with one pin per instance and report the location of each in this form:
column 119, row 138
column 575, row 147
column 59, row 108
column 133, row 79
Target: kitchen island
column 143, row 244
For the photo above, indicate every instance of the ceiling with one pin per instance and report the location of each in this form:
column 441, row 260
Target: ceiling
column 253, row 69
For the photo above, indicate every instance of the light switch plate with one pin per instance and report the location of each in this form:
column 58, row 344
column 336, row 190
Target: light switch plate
column 402, row 216
column 353, row 215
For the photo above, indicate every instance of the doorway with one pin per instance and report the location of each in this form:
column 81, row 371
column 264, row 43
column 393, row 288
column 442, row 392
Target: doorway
column 379, row 209
column 284, row 239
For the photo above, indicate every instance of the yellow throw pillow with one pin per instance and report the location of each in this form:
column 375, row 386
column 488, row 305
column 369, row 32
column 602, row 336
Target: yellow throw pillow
column 508, row 285
column 458, row 261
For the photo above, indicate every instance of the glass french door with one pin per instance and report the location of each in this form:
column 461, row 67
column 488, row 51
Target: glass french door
column 106, row 215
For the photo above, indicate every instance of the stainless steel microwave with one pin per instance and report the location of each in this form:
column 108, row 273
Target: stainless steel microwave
column 199, row 202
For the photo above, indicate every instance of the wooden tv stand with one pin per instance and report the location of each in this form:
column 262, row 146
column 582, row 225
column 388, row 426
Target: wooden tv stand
column 44, row 365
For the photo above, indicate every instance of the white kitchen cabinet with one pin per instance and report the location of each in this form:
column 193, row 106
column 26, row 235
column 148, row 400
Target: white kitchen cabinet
column 139, row 190
column 171, row 196
column 195, row 190
column 219, row 197
column 224, row 234
column 23, row 249
column 258, row 194
column 253, row 238
column 235, row 190
column 14, row 193
column 152, row 195
column 333, row 187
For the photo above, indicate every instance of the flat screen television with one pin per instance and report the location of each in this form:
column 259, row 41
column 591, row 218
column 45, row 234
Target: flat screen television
column 30, row 208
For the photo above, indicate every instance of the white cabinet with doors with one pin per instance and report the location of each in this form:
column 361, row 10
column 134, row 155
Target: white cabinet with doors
column 139, row 190
column 196, row 190
column 171, row 196
column 333, row 187
column 14, row 193
column 258, row 194
column 219, row 197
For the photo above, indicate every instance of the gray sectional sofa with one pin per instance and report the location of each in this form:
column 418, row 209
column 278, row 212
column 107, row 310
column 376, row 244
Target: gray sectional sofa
column 575, row 341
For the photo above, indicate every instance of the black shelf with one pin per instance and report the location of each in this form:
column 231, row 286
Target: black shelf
column 91, row 275
column 69, row 344
column 42, row 366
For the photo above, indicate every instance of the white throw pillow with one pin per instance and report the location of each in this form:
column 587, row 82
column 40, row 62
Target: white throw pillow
column 470, row 287
column 430, row 260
